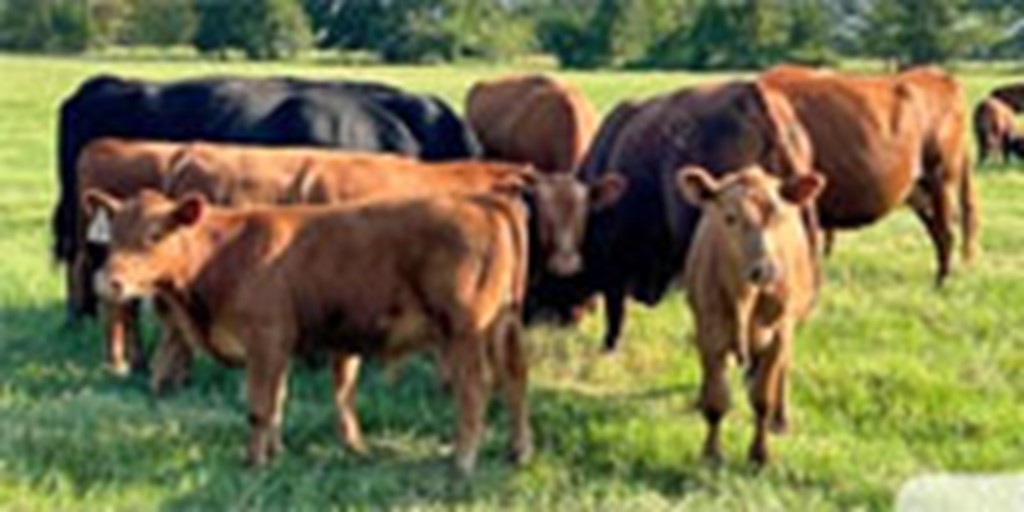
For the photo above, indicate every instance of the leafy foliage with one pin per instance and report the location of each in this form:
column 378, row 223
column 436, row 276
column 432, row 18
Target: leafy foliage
column 262, row 29
column 693, row 34
column 162, row 23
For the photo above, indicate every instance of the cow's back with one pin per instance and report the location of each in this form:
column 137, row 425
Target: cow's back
column 533, row 119
column 122, row 168
column 239, row 175
column 867, row 134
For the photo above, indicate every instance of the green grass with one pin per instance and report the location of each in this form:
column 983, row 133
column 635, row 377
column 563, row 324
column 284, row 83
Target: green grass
column 892, row 378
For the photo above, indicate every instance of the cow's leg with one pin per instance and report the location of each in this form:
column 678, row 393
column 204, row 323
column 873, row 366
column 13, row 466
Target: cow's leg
column 133, row 335
column 122, row 336
column 615, row 310
column 512, row 370
column 934, row 209
column 466, row 364
column 346, row 374
column 779, row 421
column 171, row 362
column 77, row 284
column 830, row 241
column 769, row 368
column 714, row 392
column 266, row 382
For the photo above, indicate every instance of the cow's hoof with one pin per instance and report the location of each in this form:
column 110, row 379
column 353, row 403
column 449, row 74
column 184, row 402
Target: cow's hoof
column 257, row 460
column 779, row 425
column 520, row 456
column 358, row 449
column 119, row 369
column 759, row 456
column 464, row 465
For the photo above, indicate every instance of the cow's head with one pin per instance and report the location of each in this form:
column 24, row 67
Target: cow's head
column 754, row 212
column 562, row 204
column 148, row 241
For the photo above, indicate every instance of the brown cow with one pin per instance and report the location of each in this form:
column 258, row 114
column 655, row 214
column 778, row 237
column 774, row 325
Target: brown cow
column 235, row 175
column 994, row 128
column 532, row 119
column 750, row 279
column 883, row 141
column 254, row 286
column 121, row 168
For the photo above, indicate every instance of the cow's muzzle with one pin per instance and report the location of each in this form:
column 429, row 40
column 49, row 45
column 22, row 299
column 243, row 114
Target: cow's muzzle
column 763, row 273
column 565, row 263
column 110, row 288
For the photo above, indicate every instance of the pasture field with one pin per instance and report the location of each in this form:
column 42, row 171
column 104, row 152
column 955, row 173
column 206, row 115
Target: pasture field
column 892, row 378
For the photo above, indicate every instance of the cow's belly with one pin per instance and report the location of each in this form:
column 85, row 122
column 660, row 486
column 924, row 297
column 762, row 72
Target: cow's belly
column 384, row 332
column 858, row 197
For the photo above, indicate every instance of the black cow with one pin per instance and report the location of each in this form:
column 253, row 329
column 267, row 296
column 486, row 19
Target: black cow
column 268, row 111
column 638, row 246
column 1012, row 94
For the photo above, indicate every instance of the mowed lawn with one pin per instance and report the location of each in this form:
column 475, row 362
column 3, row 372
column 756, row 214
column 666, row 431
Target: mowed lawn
column 892, row 378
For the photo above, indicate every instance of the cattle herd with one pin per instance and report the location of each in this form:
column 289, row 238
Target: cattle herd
column 267, row 218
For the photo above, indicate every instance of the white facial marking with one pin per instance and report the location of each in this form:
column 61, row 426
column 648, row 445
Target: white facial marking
column 99, row 228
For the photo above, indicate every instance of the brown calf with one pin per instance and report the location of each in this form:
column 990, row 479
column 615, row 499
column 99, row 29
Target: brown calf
column 749, row 279
column 254, row 286
column 994, row 128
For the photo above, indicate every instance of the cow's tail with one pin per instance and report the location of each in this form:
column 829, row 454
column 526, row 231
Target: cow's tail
column 968, row 211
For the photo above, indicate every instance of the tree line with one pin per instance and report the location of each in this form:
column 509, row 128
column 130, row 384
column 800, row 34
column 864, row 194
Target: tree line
column 691, row 34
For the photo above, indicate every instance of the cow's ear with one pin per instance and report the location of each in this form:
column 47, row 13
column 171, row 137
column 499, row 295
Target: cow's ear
column 607, row 190
column 188, row 210
column 697, row 185
column 522, row 181
column 803, row 189
column 95, row 200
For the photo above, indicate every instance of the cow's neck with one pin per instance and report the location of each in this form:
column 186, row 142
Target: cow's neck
column 204, row 259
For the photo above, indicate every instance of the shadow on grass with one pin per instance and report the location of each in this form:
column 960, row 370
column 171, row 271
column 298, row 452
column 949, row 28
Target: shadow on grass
column 70, row 425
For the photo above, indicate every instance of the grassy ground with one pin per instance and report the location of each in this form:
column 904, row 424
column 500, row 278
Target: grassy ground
column 892, row 378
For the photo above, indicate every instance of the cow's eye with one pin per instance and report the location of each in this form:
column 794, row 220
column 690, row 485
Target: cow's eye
column 730, row 218
column 153, row 237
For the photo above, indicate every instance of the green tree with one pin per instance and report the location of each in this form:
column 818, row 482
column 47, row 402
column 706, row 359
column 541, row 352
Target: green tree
column 911, row 32
column 45, row 25
column 608, row 33
column 107, row 21
column 161, row 22
column 263, row 29
column 809, row 34
column 726, row 34
column 358, row 24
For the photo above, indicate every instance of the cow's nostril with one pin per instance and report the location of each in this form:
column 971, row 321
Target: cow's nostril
column 755, row 274
column 762, row 273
